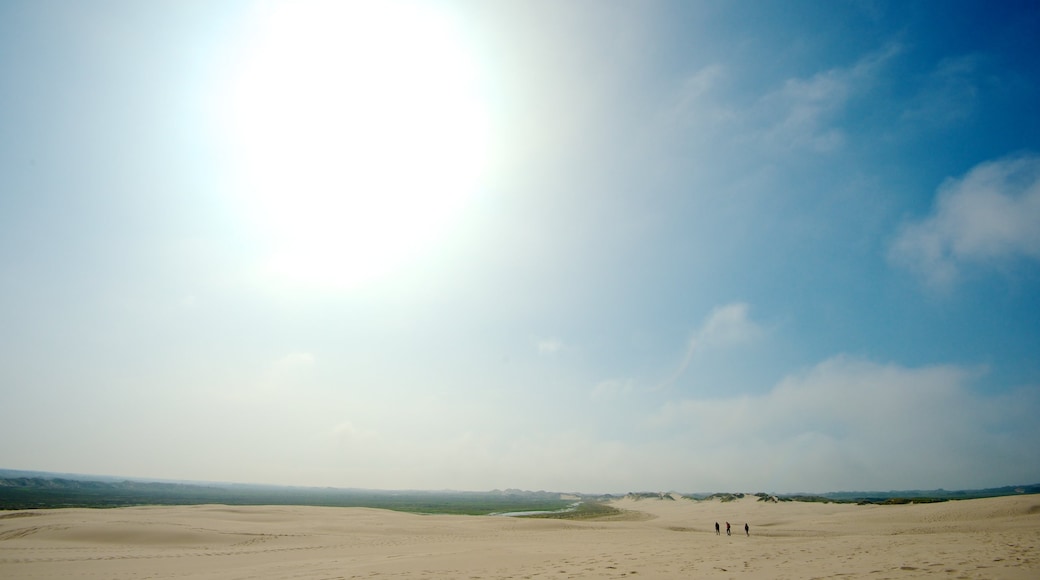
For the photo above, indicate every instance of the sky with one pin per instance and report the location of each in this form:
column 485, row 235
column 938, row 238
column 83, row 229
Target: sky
column 573, row 246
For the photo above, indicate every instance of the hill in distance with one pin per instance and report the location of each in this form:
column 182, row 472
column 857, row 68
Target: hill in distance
column 36, row 490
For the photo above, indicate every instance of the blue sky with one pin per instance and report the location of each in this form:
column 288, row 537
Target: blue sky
column 590, row 246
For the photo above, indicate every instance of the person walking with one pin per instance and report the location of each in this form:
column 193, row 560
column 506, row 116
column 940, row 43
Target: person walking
column 747, row 530
column 727, row 528
column 717, row 529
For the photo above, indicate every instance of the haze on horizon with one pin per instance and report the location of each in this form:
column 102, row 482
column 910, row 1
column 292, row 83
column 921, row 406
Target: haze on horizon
column 762, row 246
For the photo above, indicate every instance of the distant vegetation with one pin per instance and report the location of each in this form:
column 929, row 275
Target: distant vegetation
column 33, row 490
column 638, row 495
column 891, row 497
column 724, row 497
column 926, row 496
column 804, row 498
column 37, row 492
column 905, row 500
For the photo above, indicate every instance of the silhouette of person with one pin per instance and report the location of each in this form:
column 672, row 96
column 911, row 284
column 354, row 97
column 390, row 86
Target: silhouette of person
column 727, row 528
column 717, row 529
column 747, row 530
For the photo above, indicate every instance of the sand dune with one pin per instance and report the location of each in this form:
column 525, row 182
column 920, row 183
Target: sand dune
column 986, row 538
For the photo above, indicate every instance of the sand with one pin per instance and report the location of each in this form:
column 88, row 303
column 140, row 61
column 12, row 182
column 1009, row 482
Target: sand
column 985, row 538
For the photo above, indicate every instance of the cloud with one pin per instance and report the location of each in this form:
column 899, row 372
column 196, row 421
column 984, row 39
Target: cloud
column 346, row 434
column 288, row 371
column 690, row 102
column 728, row 325
column 551, row 345
column 725, row 326
column 844, row 424
column 613, row 388
column 949, row 94
column 801, row 110
column 293, row 361
column 801, row 113
column 989, row 216
column 850, row 424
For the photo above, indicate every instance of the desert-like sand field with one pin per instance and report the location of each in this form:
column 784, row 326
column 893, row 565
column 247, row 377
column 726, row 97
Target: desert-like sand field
column 985, row 538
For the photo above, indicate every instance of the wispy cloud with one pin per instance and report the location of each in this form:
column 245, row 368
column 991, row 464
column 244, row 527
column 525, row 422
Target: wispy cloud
column 948, row 94
column 725, row 326
column 988, row 216
column 613, row 388
column 271, row 381
column 728, row 325
column 293, row 361
column 551, row 345
column 289, row 371
column 346, row 434
column 692, row 103
column 801, row 113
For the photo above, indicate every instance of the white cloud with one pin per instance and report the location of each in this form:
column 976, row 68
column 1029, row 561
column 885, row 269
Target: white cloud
column 293, row 361
column 346, row 434
column 799, row 114
column 613, row 388
column 801, row 109
column 550, row 345
column 844, row 424
column 949, row 94
column 725, row 326
column 289, row 371
column 990, row 215
column 728, row 325
column 691, row 102
column 854, row 424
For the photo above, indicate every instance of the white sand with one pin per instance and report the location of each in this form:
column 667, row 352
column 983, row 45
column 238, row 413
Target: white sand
column 989, row 538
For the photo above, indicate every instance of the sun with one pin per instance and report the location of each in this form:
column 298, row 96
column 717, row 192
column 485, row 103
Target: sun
column 357, row 132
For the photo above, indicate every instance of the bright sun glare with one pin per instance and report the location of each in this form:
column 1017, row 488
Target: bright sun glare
column 358, row 132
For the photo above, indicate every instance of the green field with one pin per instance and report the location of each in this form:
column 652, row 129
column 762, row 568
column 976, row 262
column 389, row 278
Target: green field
column 36, row 493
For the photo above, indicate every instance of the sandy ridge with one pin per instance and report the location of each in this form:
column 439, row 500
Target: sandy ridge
column 986, row 538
